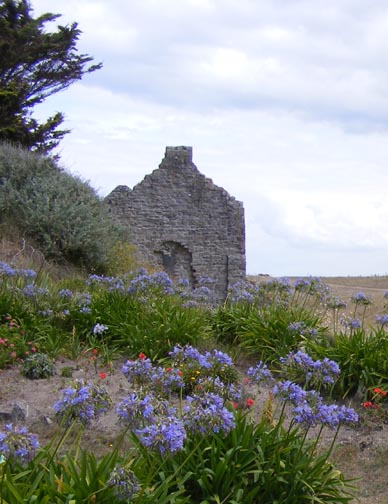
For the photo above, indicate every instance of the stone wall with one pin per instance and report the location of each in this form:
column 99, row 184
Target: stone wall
column 182, row 222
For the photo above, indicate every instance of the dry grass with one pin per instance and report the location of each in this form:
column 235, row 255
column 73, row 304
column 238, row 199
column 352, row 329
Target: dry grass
column 24, row 254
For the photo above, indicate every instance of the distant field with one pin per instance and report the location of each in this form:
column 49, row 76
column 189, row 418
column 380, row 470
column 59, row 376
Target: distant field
column 346, row 286
column 374, row 287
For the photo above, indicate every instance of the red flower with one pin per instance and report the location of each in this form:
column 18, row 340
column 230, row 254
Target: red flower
column 142, row 356
column 247, row 380
column 102, row 376
column 168, row 369
column 235, row 405
column 95, row 351
column 380, row 391
column 250, row 402
column 370, row 404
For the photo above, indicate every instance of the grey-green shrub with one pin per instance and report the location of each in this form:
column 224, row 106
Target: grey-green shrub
column 62, row 213
column 37, row 366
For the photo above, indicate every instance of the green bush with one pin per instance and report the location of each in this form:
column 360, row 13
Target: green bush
column 38, row 366
column 122, row 258
column 275, row 331
column 152, row 326
column 271, row 319
column 361, row 355
column 256, row 462
column 61, row 213
column 14, row 344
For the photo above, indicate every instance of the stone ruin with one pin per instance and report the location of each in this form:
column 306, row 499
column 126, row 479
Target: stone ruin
column 183, row 223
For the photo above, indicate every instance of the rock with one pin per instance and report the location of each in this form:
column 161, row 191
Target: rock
column 19, row 411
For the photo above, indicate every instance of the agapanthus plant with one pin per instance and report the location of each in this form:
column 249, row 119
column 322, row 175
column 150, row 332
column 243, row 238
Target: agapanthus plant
column 196, row 366
column 167, row 435
column 17, row 444
column 207, row 413
column 142, row 408
column 83, row 402
column 314, row 373
column 124, row 482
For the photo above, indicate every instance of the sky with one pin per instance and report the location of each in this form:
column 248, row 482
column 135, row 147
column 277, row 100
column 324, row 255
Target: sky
column 285, row 104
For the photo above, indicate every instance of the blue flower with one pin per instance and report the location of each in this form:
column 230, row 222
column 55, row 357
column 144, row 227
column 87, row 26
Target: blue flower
column 85, row 309
column 290, row 391
column 206, row 413
column 260, row 373
column 362, row 299
column 146, row 284
column 166, row 380
column 166, row 436
column 125, row 483
column 139, row 409
column 99, row 329
column 138, row 372
column 17, row 444
column 83, row 402
column 382, row 320
column 316, row 372
column 6, row 270
column 66, row 293
column 335, row 303
column 220, row 357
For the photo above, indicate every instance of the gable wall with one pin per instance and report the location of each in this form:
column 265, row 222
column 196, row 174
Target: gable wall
column 177, row 215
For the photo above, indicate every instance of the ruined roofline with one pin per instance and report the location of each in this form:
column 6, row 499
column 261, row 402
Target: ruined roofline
column 181, row 153
column 174, row 158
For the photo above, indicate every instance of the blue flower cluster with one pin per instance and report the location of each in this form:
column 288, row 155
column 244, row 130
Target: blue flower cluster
column 351, row 323
column 228, row 391
column 145, row 283
column 161, row 427
column 259, row 373
column 16, row 444
column 83, row 301
column 309, row 409
column 361, row 299
column 138, row 372
column 33, row 291
column 382, row 320
column 312, row 286
column 302, row 329
column 125, row 483
column 206, row 413
column 161, row 380
column 314, row 372
column 143, row 408
column 277, row 290
column 84, row 402
column 8, row 271
column 66, row 293
column 335, row 303
column 242, row 292
column 99, row 329
column 111, row 283
column 208, row 360
column 166, row 436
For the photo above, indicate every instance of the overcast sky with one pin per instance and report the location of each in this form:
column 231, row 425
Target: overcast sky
column 285, row 104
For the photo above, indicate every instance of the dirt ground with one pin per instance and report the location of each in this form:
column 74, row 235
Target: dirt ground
column 359, row 453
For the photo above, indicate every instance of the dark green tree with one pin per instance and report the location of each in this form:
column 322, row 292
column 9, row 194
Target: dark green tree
column 34, row 64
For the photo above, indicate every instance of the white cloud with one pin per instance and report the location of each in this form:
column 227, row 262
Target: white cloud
column 284, row 103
